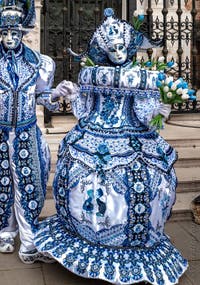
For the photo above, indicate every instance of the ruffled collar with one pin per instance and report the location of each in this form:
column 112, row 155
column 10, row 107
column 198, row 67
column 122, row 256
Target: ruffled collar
column 15, row 52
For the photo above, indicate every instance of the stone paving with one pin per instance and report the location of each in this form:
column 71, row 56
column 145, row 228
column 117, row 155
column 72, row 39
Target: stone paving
column 185, row 235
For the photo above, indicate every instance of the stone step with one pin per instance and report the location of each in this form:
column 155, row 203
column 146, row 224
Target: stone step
column 184, row 117
column 179, row 136
column 188, row 157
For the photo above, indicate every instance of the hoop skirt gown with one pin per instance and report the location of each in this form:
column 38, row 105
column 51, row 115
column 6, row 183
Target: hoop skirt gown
column 114, row 185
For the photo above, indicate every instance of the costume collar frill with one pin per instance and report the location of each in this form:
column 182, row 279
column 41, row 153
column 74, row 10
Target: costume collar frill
column 161, row 264
column 32, row 61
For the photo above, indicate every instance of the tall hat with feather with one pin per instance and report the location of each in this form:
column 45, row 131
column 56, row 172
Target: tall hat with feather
column 17, row 14
column 111, row 31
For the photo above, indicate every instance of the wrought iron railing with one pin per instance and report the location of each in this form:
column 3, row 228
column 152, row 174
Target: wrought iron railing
column 186, row 107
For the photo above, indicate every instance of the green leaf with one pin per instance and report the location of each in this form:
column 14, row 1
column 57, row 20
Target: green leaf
column 89, row 62
column 157, row 122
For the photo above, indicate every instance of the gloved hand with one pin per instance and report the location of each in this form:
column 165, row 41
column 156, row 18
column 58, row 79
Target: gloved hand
column 65, row 89
column 165, row 110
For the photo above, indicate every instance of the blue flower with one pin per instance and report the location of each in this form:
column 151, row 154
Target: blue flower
column 191, row 92
column 102, row 148
column 180, row 85
column 192, row 97
column 170, row 64
column 161, row 76
column 141, row 18
column 184, row 85
column 148, row 63
column 158, row 83
column 170, row 84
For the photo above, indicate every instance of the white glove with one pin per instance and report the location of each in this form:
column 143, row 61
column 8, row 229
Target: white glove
column 165, row 110
column 65, row 89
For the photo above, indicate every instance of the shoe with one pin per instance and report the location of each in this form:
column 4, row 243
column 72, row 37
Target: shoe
column 7, row 245
column 29, row 257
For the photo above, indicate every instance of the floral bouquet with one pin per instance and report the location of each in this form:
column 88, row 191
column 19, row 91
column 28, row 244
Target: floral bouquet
column 171, row 92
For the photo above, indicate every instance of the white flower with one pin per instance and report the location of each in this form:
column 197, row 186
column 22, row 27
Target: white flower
column 185, row 91
column 166, row 89
column 174, row 86
column 168, row 80
column 177, row 81
column 136, row 13
column 139, row 58
column 141, row 12
column 84, row 59
column 179, row 91
column 185, row 96
column 82, row 63
column 161, row 59
column 169, row 95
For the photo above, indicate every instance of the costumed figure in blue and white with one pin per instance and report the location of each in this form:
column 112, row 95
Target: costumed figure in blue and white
column 26, row 77
column 114, row 184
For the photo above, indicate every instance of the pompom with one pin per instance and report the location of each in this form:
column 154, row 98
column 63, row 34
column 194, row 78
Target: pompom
column 108, row 12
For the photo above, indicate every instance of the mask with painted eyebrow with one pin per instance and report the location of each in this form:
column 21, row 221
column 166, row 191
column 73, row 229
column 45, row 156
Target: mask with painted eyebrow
column 117, row 53
column 11, row 38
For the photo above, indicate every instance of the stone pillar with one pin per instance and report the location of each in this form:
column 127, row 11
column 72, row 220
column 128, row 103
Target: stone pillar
column 32, row 39
column 124, row 9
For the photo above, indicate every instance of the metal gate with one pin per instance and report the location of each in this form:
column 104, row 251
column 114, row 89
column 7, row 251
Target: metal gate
column 70, row 23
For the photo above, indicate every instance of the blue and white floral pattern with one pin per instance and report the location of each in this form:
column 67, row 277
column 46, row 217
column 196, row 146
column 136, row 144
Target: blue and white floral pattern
column 31, row 155
column 114, row 186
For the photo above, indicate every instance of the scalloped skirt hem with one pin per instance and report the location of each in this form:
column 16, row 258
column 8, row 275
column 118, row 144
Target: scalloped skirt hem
column 161, row 264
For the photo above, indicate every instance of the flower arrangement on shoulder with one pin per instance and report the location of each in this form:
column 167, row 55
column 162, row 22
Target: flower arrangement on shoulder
column 138, row 19
column 86, row 61
column 154, row 64
column 171, row 92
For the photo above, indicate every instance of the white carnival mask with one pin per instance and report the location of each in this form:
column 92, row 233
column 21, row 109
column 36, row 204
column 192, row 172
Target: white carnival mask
column 11, row 38
column 117, row 53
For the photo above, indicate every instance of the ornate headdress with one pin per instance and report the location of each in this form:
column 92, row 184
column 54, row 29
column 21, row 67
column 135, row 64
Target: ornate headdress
column 112, row 31
column 17, row 13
